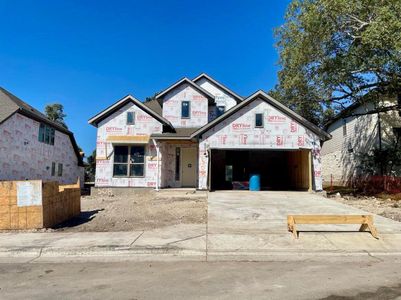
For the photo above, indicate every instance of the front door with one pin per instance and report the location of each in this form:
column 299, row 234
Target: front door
column 189, row 166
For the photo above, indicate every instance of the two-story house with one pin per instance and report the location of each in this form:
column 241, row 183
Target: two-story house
column 199, row 133
column 356, row 132
column 34, row 147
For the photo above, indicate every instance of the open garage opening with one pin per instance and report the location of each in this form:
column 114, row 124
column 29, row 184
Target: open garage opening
column 277, row 169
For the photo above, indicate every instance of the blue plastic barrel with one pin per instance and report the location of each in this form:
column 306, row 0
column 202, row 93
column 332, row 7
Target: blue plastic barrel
column 254, row 182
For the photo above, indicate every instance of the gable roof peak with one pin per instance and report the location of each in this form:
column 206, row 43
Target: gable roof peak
column 120, row 103
column 278, row 105
column 182, row 81
column 237, row 97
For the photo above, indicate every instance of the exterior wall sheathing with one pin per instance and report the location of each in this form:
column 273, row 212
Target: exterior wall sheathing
column 115, row 125
column 50, row 205
column 279, row 132
column 221, row 97
column 198, row 107
column 23, row 157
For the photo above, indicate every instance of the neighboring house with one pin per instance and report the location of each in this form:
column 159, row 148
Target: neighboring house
column 355, row 132
column 198, row 133
column 34, row 147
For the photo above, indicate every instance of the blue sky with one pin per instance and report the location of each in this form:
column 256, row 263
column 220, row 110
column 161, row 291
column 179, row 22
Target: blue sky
column 88, row 54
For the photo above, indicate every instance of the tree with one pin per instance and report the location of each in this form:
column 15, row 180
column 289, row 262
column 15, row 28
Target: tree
column 55, row 112
column 90, row 167
column 335, row 52
column 147, row 99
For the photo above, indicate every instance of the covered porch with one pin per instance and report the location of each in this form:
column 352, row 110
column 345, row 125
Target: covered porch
column 178, row 157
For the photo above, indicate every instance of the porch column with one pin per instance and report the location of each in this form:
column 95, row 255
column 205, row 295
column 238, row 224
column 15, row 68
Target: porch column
column 158, row 164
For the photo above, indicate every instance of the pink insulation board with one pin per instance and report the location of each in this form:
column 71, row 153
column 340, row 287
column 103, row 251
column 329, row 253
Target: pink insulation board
column 279, row 132
column 23, row 157
column 116, row 125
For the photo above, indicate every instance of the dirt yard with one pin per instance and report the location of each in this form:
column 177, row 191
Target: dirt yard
column 381, row 205
column 142, row 211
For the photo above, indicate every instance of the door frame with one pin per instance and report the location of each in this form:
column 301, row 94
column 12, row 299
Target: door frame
column 182, row 149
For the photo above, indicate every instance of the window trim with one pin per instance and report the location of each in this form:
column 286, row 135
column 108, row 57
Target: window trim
column 263, row 123
column 133, row 118
column 189, row 109
column 128, row 163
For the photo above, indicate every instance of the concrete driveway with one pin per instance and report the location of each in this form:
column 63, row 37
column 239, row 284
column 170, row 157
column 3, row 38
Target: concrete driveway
column 256, row 222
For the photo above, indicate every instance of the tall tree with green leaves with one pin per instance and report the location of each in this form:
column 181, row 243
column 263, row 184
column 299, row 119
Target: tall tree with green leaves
column 335, row 52
column 90, row 167
column 55, row 112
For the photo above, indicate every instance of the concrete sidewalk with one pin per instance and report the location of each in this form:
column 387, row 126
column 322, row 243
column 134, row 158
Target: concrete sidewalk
column 188, row 243
column 184, row 242
column 242, row 226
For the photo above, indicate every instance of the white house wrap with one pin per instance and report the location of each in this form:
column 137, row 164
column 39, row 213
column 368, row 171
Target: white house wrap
column 196, row 145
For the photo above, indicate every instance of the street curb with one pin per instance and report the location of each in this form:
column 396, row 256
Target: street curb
column 100, row 254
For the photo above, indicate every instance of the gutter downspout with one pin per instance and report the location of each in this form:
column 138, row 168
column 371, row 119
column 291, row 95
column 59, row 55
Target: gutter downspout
column 158, row 164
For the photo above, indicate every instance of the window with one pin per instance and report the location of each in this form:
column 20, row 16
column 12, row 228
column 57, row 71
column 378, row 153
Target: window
column 130, row 118
column 220, row 110
column 53, row 169
column 258, row 120
column 46, row 134
column 185, row 109
column 177, row 163
column 344, row 127
column 60, row 170
column 129, row 161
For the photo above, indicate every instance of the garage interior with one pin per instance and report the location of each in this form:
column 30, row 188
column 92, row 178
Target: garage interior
column 278, row 169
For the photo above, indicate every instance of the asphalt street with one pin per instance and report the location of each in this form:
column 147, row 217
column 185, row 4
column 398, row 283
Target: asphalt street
column 334, row 278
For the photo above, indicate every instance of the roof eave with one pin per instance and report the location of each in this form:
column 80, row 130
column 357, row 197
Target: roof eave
column 324, row 136
column 106, row 112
